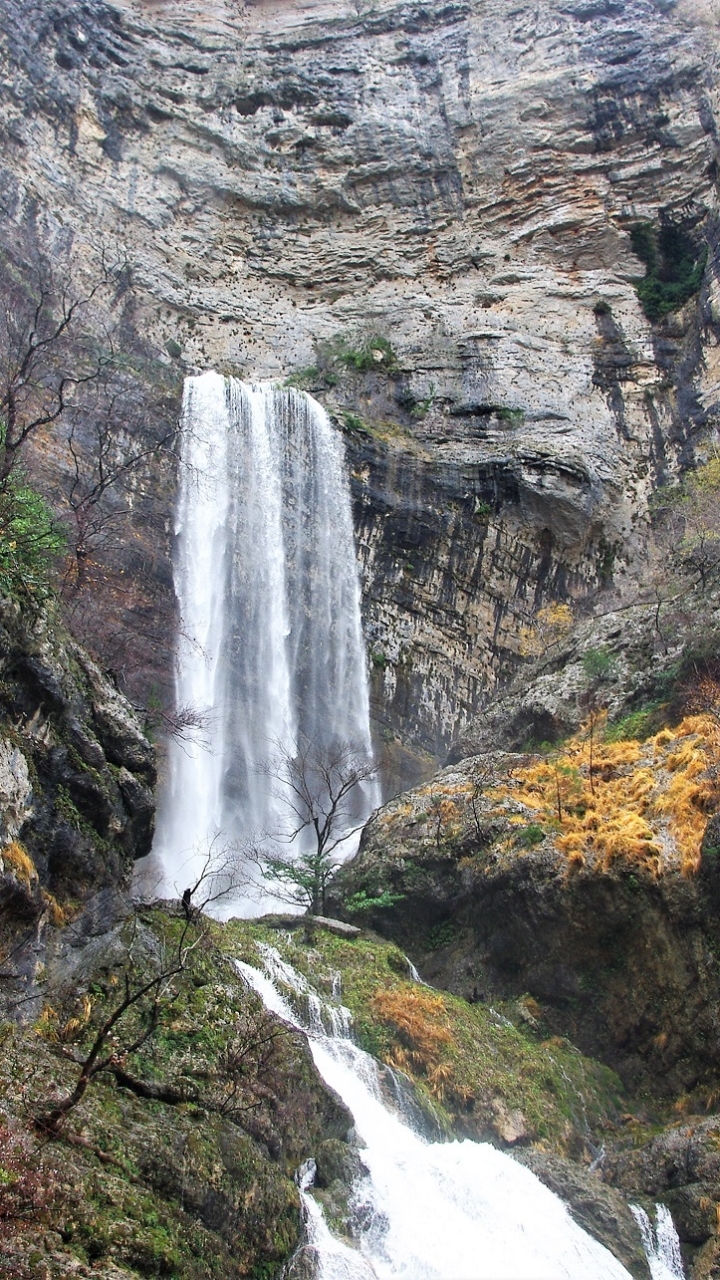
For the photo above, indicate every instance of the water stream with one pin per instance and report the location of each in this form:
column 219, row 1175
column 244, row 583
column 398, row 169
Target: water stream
column 429, row 1210
column 271, row 650
column 271, row 654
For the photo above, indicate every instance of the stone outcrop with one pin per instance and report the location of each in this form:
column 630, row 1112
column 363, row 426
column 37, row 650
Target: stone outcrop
column 460, row 181
column 618, row 958
column 76, row 770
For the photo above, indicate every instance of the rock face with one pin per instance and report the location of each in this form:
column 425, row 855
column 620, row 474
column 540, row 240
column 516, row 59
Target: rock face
column 618, row 959
column 461, row 182
column 681, row 1168
column 76, row 770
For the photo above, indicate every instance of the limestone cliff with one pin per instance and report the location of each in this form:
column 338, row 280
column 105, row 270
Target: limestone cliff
column 460, row 181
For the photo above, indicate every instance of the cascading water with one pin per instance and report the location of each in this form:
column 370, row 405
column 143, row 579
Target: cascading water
column 271, row 649
column 271, row 652
column 661, row 1244
column 427, row 1210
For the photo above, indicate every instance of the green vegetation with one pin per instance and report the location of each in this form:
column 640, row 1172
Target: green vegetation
column 374, row 353
column 674, row 267
column 31, row 540
column 341, row 355
column 512, row 416
column 638, row 725
column 305, row 379
column 441, row 935
column 360, row 902
column 531, row 835
column 468, row 1063
column 424, row 406
column 598, row 664
column 353, row 422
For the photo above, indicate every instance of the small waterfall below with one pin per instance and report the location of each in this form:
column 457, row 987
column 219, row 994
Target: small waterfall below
column 271, row 651
column 426, row 1210
column 661, row 1244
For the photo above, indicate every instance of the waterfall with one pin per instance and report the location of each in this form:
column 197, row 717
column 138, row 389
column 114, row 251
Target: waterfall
column 270, row 651
column 662, row 1246
column 425, row 1210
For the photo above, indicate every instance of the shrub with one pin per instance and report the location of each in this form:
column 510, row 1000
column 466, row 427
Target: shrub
column 352, row 422
column 372, row 353
column 673, row 267
column 441, row 935
column 531, row 835
column 30, row 539
column 551, row 625
column 363, row 901
column 27, row 1184
column 598, row 664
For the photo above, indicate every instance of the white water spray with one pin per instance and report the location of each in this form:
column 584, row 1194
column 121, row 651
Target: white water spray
column 271, row 648
column 427, row 1210
column 661, row 1245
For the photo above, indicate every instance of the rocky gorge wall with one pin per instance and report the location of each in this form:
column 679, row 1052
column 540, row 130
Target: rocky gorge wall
column 459, row 181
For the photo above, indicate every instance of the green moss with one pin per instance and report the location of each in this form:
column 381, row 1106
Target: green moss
column 66, row 807
column 551, row 1083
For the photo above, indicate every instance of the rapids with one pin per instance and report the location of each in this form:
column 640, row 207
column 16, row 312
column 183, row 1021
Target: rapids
column 429, row 1210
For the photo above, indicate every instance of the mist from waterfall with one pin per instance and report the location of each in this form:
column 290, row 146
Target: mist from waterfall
column 271, row 649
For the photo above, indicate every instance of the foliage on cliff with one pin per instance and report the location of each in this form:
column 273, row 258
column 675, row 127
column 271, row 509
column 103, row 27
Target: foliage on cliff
column 605, row 796
column 178, row 1160
column 474, row 1070
column 673, row 267
column 638, row 802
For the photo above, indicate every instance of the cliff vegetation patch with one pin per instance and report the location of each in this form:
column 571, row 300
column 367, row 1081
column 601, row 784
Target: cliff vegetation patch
column 674, row 267
column 645, row 802
column 473, row 1070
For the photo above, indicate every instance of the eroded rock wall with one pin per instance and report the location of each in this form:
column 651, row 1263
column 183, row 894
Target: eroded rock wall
column 460, row 179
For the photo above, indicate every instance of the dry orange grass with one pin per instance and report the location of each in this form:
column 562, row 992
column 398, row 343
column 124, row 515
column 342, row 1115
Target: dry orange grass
column 57, row 914
column 643, row 802
column 16, row 857
column 419, row 1020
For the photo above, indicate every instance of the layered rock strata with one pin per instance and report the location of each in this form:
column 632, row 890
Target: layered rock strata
column 461, row 182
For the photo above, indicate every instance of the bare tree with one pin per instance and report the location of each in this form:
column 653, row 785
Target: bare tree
column 46, row 353
column 139, row 1007
column 319, row 788
column 220, row 875
column 108, row 444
